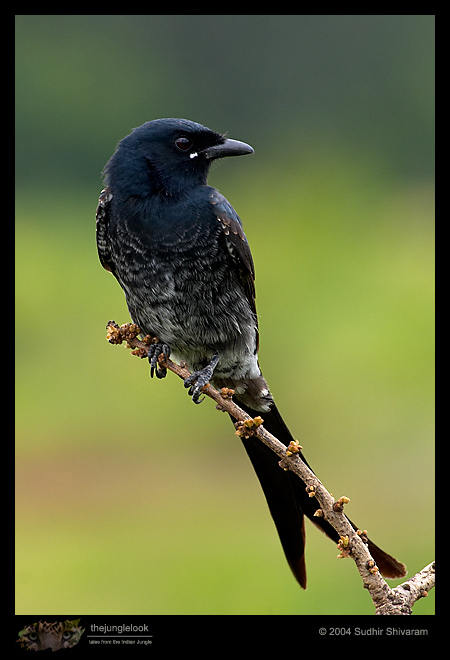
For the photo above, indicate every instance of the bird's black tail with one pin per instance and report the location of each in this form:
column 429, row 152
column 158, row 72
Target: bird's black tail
column 289, row 502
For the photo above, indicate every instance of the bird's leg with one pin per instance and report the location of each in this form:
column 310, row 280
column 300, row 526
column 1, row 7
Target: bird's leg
column 154, row 352
column 200, row 378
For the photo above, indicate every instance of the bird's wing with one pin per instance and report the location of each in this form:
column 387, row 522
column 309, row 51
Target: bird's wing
column 237, row 244
column 102, row 228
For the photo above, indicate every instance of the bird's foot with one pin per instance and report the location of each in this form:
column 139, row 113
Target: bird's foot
column 154, row 352
column 197, row 380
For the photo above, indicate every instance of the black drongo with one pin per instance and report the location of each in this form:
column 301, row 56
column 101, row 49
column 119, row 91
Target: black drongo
column 178, row 250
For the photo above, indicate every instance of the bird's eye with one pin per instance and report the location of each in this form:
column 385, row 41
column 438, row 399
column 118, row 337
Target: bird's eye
column 183, row 143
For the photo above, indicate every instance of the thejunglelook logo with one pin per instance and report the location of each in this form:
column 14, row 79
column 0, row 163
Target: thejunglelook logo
column 55, row 636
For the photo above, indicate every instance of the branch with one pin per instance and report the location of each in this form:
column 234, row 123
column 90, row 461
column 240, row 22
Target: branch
column 398, row 601
column 401, row 599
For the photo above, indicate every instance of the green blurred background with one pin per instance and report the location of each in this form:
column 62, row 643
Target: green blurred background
column 130, row 500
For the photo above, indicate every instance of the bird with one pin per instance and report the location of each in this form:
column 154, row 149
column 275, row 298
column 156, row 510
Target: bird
column 178, row 250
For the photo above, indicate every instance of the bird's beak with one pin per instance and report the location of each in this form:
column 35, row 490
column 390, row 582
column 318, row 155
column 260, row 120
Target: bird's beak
column 228, row 148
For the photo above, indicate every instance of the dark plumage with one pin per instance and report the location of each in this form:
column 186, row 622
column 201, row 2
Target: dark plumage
column 178, row 250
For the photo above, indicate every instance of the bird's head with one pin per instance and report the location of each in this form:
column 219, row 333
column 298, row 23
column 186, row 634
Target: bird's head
column 169, row 156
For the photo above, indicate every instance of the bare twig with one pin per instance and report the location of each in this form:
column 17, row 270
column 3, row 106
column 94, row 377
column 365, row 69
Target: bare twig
column 401, row 599
column 398, row 601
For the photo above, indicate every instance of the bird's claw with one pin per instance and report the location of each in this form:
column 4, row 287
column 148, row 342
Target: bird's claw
column 154, row 352
column 197, row 380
